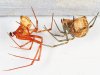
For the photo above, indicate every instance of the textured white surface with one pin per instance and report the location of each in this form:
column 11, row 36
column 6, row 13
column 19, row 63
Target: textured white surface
column 80, row 56
column 47, row 7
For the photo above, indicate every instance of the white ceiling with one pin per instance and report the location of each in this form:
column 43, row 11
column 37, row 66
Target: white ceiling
column 47, row 7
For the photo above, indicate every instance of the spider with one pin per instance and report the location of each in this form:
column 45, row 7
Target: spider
column 24, row 32
column 76, row 27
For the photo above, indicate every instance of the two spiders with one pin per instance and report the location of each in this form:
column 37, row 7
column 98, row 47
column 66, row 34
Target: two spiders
column 76, row 27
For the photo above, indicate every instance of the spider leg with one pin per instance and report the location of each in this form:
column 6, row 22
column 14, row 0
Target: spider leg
column 65, row 33
column 72, row 37
column 38, row 53
column 58, row 35
column 58, row 27
column 52, row 46
column 20, row 56
column 55, row 37
column 28, row 64
column 93, row 20
column 35, row 18
column 14, row 41
column 20, row 47
column 29, row 48
column 49, row 28
column 37, row 23
column 25, row 44
column 17, row 22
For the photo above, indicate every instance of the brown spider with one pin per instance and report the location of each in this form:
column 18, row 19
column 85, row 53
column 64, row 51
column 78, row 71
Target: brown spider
column 76, row 27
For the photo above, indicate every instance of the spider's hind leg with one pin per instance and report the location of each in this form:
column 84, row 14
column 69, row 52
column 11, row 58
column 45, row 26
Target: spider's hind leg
column 93, row 20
